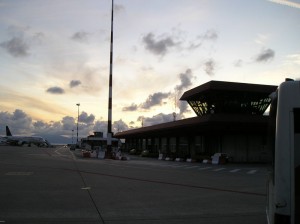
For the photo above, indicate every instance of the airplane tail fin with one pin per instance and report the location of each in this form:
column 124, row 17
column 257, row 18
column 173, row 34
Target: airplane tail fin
column 8, row 133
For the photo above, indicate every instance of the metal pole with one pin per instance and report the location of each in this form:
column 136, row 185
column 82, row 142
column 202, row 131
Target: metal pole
column 109, row 132
column 78, row 104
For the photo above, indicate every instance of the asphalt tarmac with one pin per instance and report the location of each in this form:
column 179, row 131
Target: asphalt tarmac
column 56, row 185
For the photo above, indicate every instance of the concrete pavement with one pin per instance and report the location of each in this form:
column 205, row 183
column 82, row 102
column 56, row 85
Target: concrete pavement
column 54, row 186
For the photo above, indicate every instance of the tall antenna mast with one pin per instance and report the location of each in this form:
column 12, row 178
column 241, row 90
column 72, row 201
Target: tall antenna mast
column 175, row 106
column 108, row 153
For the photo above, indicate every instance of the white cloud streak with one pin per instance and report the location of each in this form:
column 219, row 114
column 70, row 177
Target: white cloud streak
column 287, row 3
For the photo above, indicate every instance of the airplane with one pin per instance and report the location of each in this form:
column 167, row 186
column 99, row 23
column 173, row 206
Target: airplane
column 3, row 140
column 22, row 140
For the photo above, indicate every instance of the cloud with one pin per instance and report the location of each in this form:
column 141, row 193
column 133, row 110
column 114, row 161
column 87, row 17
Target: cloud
column 158, row 47
column 154, row 100
column 209, row 67
column 118, row 8
column 157, row 98
column 74, row 83
column 209, row 35
column 68, row 123
column 158, row 119
column 16, row 47
column 55, row 90
column 293, row 59
column 18, row 121
column 101, row 126
column 40, row 126
column 80, row 36
column 21, row 123
column 287, row 3
column 265, row 55
column 87, row 119
column 185, row 80
column 238, row 63
column 183, row 107
column 119, row 126
column 132, row 107
column 38, row 37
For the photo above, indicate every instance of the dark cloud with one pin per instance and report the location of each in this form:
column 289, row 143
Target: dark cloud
column 80, row 36
column 68, row 123
column 209, row 35
column 118, row 8
column 132, row 107
column 55, row 90
column 16, row 47
column 74, row 83
column 40, row 126
column 119, row 126
column 185, row 80
column 38, row 37
column 265, row 55
column 209, row 67
column 183, row 107
column 154, row 100
column 18, row 121
column 101, row 126
column 85, row 118
column 158, row 47
column 22, row 124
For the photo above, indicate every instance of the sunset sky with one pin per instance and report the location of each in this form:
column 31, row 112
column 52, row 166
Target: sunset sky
column 55, row 54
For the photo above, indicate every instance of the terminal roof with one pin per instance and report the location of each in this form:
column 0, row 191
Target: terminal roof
column 229, row 98
column 220, row 107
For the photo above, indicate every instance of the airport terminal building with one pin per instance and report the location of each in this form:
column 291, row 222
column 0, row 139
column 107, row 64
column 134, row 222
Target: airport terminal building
column 230, row 119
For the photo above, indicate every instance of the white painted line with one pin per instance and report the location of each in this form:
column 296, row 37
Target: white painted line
column 85, row 188
column 252, row 172
column 235, row 170
column 219, row 169
column 174, row 165
column 204, row 168
column 167, row 165
column 179, row 166
column 191, row 167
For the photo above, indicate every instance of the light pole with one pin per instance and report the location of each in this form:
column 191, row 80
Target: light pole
column 78, row 104
column 108, row 153
column 72, row 136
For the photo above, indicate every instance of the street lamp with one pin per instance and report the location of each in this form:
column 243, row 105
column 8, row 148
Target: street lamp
column 78, row 104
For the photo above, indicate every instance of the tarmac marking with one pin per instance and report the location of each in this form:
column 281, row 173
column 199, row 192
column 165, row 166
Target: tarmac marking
column 191, row 167
column 179, row 166
column 219, row 169
column 204, row 168
column 167, row 165
column 19, row 173
column 168, row 183
column 86, row 188
column 235, row 170
column 252, row 172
